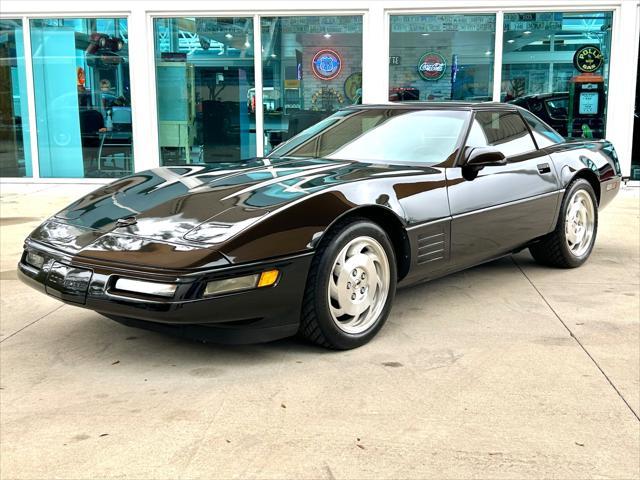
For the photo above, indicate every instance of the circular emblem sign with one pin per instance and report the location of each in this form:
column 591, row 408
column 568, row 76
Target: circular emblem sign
column 352, row 85
column 588, row 59
column 326, row 64
column 432, row 66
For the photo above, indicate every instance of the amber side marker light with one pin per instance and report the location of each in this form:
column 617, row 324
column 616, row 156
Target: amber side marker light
column 268, row 278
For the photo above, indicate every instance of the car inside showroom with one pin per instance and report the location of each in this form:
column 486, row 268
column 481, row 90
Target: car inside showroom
column 319, row 239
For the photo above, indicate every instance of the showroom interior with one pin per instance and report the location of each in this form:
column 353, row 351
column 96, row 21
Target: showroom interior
column 97, row 91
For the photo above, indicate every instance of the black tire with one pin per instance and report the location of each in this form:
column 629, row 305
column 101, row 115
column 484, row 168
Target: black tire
column 317, row 324
column 553, row 249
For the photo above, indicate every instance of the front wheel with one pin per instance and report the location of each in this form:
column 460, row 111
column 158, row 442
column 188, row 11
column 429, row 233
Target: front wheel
column 571, row 243
column 351, row 285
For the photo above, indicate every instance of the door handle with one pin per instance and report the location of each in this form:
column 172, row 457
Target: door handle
column 544, row 168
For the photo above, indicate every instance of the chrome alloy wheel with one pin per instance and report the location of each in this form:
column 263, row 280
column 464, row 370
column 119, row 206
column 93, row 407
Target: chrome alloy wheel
column 359, row 285
column 579, row 223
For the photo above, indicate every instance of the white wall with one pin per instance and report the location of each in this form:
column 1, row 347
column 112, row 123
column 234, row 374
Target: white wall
column 140, row 13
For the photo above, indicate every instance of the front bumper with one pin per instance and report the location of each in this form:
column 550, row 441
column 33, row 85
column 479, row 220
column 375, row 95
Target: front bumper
column 249, row 316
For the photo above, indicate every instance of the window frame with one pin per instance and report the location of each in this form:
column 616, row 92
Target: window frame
column 461, row 160
column 449, row 162
column 530, row 127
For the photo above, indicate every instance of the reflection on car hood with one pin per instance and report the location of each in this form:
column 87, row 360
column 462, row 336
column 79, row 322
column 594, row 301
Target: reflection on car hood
column 168, row 203
column 195, row 205
column 182, row 213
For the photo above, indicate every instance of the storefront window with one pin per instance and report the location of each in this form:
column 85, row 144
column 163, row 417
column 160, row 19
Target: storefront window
column 441, row 57
column 635, row 152
column 557, row 65
column 311, row 67
column 15, row 156
column 204, row 76
column 82, row 96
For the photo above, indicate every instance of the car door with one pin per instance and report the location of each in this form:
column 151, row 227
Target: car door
column 495, row 209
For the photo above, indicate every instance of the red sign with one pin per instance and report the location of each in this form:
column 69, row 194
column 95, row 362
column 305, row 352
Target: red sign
column 432, row 66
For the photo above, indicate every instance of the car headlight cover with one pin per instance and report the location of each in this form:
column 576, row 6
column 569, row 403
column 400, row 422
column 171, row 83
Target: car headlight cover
column 246, row 282
column 34, row 259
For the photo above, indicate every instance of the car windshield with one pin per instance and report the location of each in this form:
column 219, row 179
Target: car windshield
column 427, row 137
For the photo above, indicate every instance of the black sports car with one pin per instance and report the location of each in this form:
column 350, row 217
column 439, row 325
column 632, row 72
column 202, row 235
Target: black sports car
column 316, row 237
column 551, row 108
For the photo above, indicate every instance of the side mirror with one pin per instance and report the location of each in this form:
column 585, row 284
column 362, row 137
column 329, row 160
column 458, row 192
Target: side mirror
column 484, row 157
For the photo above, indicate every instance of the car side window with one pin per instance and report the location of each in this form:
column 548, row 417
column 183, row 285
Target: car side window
column 505, row 131
column 543, row 133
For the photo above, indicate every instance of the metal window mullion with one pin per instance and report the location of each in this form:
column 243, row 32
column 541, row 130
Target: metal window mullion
column 145, row 149
column 31, row 97
column 257, row 75
column 375, row 45
column 497, row 56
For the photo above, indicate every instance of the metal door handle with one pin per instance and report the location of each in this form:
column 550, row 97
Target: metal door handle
column 544, row 168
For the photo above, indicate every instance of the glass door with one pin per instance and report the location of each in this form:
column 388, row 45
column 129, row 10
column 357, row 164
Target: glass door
column 15, row 156
column 204, row 83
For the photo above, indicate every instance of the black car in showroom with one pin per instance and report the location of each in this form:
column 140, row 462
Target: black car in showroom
column 553, row 109
column 315, row 237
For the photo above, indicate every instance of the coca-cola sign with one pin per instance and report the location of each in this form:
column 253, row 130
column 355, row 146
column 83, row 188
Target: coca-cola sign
column 432, row 66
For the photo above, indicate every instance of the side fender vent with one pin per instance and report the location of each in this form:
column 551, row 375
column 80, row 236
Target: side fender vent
column 430, row 248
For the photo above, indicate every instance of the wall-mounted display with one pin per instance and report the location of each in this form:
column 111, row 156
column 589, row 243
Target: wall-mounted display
column 353, row 88
column 431, row 66
column 326, row 64
column 588, row 59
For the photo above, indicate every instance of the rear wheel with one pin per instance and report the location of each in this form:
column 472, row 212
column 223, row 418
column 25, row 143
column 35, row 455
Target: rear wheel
column 571, row 243
column 351, row 286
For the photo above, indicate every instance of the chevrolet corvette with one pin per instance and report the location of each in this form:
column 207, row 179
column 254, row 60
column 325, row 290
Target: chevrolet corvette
column 315, row 237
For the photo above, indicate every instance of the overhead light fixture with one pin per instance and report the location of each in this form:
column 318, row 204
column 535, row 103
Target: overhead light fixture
column 527, row 32
column 511, row 40
column 327, row 35
column 273, row 55
column 247, row 44
column 425, row 34
column 228, row 36
column 488, row 52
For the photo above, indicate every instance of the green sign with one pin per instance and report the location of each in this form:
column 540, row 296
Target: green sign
column 588, row 59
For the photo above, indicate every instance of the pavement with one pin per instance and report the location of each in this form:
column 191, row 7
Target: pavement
column 507, row 370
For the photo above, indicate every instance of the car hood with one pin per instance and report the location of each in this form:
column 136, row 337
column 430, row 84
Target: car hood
column 193, row 206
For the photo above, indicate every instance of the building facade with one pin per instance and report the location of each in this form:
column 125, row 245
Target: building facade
column 92, row 91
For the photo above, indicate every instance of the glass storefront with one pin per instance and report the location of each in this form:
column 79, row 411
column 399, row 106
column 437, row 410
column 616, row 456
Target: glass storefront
column 635, row 150
column 205, row 82
column 555, row 64
column 441, row 57
column 539, row 71
column 82, row 97
column 311, row 67
column 15, row 153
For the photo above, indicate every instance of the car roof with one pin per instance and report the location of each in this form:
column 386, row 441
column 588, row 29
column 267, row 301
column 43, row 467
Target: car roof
column 424, row 105
column 543, row 96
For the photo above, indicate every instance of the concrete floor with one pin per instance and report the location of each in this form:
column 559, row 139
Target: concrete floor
column 509, row 370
